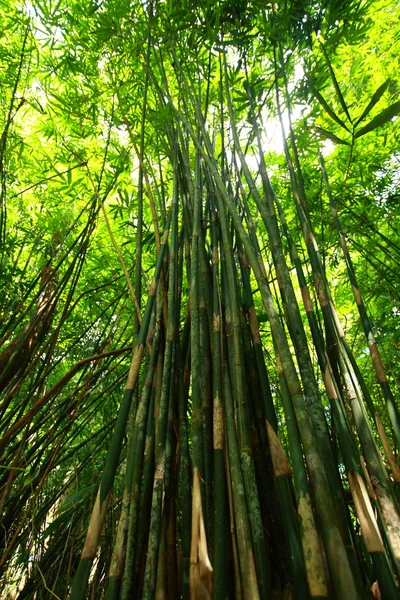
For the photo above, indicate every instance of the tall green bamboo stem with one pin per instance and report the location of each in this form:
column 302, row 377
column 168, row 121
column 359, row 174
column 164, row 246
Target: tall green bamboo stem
column 220, row 551
column 167, row 394
column 100, row 508
column 123, row 553
column 347, row 364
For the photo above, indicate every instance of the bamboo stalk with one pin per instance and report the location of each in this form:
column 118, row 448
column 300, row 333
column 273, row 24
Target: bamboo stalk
column 366, row 324
column 100, row 507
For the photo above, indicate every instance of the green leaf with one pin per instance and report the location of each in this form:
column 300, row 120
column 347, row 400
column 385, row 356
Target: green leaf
column 336, row 84
column 78, row 496
column 375, row 98
column 383, row 117
column 326, row 106
column 55, row 525
column 28, row 480
column 331, row 136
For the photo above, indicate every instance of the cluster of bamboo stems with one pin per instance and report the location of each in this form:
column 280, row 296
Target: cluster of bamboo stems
column 247, row 474
column 206, row 416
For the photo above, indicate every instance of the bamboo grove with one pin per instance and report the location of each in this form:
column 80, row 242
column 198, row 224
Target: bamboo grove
column 198, row 399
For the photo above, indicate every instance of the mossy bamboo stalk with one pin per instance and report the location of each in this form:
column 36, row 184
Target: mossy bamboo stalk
column 206, row 408
column 291, row 308
column 167, row 394
column 323, row 499
column 283, row 472
column 146, row 489
column 184, row 484
column 220, row 550
column 245, row 555
column 100, row 508
column 347, row 363
column 197, row 420
column 346, row 439
column 123, row 553
column 236, row 366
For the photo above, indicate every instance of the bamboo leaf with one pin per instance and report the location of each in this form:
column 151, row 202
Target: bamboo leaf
column 331, row 136
column 55, row 525
column 326, row 106
column 336, row 84
column 374, row 100
column 384, row 117
column 78, row 496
